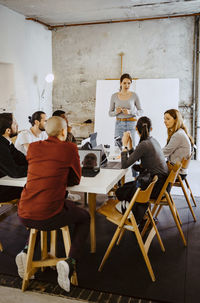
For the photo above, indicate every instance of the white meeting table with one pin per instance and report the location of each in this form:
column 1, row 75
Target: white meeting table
column 102, row 183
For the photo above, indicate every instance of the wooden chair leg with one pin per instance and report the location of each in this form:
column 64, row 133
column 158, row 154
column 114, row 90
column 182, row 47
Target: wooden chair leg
column 66, row 239
column 186, row 197
column 176, row 219
column 67, row 244
column 156, row 230
column 28, row 270
column 145, row 227
column 175, row 209
column 148, row 220
column 145, row 256
column 188, row 186
column 158, row 211
column 74, row 279
column 44, row 250
column 53, row 243
column 120, row 236
column 112, row 243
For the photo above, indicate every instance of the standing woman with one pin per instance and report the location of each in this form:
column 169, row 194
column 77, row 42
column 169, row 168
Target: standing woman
column 179, row 142
column 125, row 106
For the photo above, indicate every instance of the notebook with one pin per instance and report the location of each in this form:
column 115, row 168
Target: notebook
column 90, row 161
column 104, row 160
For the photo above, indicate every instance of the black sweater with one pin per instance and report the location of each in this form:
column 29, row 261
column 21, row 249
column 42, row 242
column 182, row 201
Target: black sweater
column 12, row 162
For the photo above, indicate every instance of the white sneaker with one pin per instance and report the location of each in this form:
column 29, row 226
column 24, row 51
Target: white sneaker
column 21, row 264
column 63, row 275
column 73, row 197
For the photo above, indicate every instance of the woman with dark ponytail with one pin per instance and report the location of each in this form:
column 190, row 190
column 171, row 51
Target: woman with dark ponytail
column 152, row 162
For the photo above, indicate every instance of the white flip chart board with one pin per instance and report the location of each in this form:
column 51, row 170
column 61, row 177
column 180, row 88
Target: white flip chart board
column 156, row 96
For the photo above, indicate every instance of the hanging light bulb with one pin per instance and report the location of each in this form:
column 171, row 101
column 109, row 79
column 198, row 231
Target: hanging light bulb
column 49, row 78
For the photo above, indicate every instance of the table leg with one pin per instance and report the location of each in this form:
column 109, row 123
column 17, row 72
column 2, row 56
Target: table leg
column 92, row 209
column 85, row 199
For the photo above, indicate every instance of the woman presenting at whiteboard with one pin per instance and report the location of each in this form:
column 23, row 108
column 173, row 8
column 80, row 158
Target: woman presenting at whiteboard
column 125, row 106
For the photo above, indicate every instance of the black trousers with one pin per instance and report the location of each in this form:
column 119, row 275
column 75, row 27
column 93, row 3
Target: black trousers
column 127, row 191
column 8, row 193
column 70, row 214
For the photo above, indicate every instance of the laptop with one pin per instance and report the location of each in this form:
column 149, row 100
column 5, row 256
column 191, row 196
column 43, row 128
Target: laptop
column 104, row 160
column 118, row 142
column 90, row 161
column 89, row 142
column 93, row 139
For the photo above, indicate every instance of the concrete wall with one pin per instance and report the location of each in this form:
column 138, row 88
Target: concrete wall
column 152, row 49
column 27, row 48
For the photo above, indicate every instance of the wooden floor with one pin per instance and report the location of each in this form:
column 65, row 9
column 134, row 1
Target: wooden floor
column 177, row 271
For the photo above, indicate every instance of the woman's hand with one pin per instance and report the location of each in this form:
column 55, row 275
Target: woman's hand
column 125, row 111
column 118, row 110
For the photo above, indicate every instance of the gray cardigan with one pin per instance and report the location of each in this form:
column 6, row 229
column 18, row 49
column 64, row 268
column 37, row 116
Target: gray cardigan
column 178, row 147
column 132, row 104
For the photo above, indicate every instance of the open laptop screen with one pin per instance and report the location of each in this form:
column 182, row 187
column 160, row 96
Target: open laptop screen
column 90, row 158
column 91, row 140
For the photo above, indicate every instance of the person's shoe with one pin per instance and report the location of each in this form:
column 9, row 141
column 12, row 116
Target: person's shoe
column 65, row 270
column 21, row 264
column 63, row 275
column 156, row 220
column 73, row 197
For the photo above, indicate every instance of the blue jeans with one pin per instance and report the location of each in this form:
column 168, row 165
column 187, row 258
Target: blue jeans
column 123, row 126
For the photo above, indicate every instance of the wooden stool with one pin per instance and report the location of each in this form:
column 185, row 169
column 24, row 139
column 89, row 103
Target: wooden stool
column 47, row 259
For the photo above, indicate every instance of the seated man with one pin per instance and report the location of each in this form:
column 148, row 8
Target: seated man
column 35, row 133
column 12, row 162
column 54, row 164
column 70, row 138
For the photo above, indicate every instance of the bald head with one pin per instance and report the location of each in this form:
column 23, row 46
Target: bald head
column 55, row 125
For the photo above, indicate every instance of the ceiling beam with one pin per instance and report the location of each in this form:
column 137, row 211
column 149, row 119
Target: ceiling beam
column 52, row 27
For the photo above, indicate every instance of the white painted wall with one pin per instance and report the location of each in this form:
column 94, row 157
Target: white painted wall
column 28, row 46
column 156, row 49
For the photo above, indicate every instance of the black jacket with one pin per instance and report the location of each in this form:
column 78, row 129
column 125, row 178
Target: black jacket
column 12, row 162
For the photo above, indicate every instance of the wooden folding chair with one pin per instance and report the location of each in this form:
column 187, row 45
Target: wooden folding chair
column 12, row 202
column 179, row 183
column 128, row 222
column 165, row 199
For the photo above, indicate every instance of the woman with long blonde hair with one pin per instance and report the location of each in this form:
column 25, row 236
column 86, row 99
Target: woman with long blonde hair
column 179, row 141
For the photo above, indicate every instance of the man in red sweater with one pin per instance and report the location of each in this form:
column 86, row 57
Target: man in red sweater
column 53, row 165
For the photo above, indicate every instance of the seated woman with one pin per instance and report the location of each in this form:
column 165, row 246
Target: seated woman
column 149, row 152
column 179, row 142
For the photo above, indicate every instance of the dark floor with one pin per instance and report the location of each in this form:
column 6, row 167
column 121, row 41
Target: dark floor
column 124, row 277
